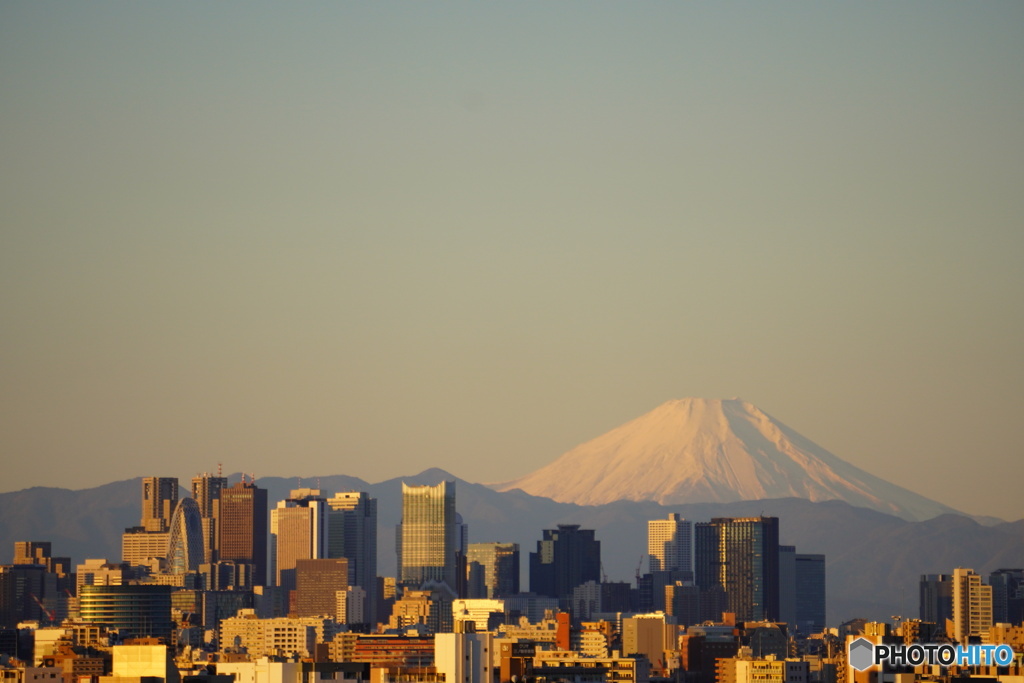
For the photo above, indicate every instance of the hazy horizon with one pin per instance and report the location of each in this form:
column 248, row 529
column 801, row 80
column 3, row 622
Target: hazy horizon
column 369, row 239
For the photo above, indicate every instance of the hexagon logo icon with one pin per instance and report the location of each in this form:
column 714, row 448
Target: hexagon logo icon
column 861, row 654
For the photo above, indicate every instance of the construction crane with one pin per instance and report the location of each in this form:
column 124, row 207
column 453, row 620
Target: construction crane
column 50, row 614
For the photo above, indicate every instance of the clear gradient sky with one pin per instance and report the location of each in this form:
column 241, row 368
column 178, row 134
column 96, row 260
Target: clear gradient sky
column 370, row 238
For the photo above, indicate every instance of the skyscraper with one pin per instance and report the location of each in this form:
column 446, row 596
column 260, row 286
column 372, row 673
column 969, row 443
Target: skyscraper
column 810, row 593
column 972, row 605
column 566, row 557
column 1007, row 596
column 185, row 551
column 741, row 556
column 352, row 534
column 206, row 490
column 499, row 563
column 298, row 531
column 668, row 544
column 936, row 599
column 159, row 498
column 242, row 527
column 427, row 536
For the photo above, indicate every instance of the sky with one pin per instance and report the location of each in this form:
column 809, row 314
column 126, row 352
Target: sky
column 373, row 238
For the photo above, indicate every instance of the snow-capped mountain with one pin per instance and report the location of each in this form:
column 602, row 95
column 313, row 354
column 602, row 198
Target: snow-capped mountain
column 696, row 450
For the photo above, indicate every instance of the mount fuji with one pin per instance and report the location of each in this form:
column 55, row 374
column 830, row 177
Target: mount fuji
column 697, row 450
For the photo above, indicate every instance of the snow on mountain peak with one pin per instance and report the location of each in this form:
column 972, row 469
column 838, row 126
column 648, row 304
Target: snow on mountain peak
column 694, row 450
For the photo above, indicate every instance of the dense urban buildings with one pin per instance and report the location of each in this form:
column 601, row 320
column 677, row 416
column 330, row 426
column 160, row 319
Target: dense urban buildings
column 737, row 608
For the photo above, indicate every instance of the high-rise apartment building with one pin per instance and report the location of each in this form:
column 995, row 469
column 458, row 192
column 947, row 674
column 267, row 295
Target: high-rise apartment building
column 668, row 544
column 159, row 498
column 499, row 566
column 242, row 527
column 972, row 605
column 566, row 557
column 740, row 556
column 428, row 537
column 206, row 490
column 298, row 531
column 352, row 534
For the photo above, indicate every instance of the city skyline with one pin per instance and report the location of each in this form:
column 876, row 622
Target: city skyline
column 372, row 239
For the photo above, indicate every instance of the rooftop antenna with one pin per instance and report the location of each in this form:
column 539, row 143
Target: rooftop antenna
column 220, row 472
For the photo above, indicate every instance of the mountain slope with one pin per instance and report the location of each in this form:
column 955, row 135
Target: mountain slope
column 701, row 450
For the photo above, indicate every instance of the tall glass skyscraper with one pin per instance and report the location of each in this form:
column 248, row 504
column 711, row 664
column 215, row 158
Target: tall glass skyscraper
column 740, row 556
column 427, row 539
column 185, row 548
column 352, row 534
column 499, row 565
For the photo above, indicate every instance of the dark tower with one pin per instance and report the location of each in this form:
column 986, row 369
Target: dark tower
column 740, row 556
column 242, row 527
column 566, row 557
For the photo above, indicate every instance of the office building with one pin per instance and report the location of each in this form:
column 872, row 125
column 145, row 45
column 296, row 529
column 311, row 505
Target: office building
column 206, row 490
column 1007, row 596
column 936, row 599
column 651, row 635
column 668, row 544
column 317, row 584
column 139, row 547
column 428, row 538
column 159, row 498
column 136, row 611
column 682, row 602
column 185, row 548
column 810, row 593
column 298, row 531
column 787, row 584
column 242, row 527
column 352, row 534
column 741, row 557
column 498, row 567
column 566, row 557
